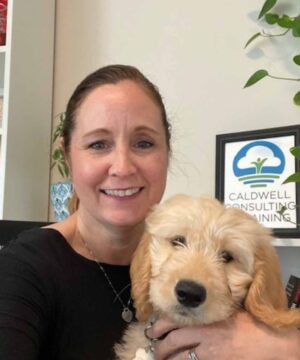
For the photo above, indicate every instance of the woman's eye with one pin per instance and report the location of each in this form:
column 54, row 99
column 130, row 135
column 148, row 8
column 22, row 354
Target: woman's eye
column 226, row 256
column 178, row 241
column 99, row 145
column 144, row 144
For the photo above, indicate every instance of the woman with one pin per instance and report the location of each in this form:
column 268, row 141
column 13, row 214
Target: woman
column 65, row 289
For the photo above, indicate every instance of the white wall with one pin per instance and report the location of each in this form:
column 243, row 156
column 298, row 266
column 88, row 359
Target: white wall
column 193, row 50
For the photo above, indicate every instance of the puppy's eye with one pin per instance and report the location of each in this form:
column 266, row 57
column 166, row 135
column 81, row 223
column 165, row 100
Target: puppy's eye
column 178, row 241
column 226, row 256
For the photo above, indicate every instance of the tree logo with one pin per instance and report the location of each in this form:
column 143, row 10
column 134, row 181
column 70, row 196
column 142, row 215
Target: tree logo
column 259, row 163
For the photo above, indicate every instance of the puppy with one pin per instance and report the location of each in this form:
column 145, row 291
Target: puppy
column 200, row 261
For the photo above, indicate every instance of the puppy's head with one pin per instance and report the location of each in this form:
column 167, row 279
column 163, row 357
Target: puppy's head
column 198, row 261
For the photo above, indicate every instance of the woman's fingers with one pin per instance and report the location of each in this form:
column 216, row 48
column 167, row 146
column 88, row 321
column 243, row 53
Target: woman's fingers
column 185, row 355
column 177, row 343
column 190, row 354
column 160, row 328
column 239, row 337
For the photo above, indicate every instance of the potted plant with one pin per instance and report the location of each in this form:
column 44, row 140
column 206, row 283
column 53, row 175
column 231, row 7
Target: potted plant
column 58, row 157
column 288, row 25
column 62, row 191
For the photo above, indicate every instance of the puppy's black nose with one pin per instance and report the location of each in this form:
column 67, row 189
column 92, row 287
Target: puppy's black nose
column 190, row 293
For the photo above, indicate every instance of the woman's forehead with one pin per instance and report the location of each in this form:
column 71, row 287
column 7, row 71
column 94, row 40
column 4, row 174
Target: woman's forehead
column 124, row 91
column 123, row 103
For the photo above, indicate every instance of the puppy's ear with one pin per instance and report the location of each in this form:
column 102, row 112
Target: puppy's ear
column 266, row 298
column 140, row 272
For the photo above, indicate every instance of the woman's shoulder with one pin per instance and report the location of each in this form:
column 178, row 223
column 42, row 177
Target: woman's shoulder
column 49, row 240
column 35, row 236
column 38, row 247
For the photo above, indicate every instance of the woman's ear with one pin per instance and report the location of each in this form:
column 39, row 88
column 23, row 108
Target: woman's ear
column 140, row 271
column 266, row 298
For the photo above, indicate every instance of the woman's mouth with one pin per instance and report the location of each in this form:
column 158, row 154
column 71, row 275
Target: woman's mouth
column 122, row 193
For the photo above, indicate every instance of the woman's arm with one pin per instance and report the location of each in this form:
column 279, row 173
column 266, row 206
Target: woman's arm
column 23, row 305
column 240, row 337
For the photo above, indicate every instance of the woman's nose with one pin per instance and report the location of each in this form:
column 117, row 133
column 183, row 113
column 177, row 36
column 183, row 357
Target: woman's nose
column 122, row 163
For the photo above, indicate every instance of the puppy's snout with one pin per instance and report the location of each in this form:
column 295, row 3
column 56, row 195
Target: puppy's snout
column 190, row 293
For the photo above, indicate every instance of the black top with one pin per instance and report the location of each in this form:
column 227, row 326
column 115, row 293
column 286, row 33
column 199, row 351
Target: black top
column 9, row 229
column 56, row 304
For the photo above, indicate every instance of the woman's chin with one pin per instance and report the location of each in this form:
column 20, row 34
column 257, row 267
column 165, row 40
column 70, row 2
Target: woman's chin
column 126, row 219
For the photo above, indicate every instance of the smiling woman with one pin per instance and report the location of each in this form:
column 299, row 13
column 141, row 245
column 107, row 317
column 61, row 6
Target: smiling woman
column 116, row 139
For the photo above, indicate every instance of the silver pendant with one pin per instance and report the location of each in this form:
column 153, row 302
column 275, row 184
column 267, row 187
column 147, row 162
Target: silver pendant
column 127, row 315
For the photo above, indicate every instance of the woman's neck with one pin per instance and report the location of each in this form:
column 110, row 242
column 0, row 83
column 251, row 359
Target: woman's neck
column 104, row 243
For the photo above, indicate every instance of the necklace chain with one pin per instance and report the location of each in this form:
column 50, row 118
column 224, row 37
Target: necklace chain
column 127, row 314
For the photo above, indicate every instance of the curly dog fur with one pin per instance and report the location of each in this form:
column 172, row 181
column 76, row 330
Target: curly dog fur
column 198, row 262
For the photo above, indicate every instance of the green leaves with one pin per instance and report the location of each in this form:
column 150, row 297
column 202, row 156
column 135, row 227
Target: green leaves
column 290, row 24
column 296, row 27
column 296, row 98
column 267, row 6
column 295, row 151
column 58, row 158
column 285, row 22
column 257, row 76
column 60, row 127
column 293, row 178
column 252, row 39
column 282, row 210
column 58, row 155
column 296, row 59
column 271, row 19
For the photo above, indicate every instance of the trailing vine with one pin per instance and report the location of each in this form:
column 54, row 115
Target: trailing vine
column 287, row 24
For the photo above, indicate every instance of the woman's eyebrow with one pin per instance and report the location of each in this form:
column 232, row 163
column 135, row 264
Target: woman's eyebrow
column 98, row 131
column 105, row 131
column 148, row 129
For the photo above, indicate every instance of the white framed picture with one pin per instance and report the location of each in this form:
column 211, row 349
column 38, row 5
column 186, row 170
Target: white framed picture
column 251, row 168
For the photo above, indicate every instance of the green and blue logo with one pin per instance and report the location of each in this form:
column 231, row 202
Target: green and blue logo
column 258, row 172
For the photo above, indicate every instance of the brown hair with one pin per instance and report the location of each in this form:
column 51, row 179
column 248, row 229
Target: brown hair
column 111, row 74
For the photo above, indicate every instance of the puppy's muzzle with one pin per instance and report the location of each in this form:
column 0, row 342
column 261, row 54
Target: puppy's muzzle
column 189, row 293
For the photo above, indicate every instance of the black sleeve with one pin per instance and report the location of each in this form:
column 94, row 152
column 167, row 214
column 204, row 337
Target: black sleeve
column 24, row 303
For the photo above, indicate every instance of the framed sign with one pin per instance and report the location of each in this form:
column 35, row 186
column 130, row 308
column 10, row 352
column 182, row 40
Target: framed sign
column 250, row 170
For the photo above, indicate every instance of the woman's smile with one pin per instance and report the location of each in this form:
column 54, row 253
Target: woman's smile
column 122, row 193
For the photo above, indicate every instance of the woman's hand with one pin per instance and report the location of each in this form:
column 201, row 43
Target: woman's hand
column 240, row 337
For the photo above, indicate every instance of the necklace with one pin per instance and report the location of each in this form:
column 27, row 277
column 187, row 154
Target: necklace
column 127, row 314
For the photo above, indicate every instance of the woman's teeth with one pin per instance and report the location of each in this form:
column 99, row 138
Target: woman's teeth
column 122, row 193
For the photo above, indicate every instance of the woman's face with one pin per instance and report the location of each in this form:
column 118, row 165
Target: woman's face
column 118, row 154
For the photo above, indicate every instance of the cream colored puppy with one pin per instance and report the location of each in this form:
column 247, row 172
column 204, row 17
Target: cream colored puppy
column 197, row 263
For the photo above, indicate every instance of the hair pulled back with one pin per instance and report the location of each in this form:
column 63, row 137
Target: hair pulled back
column 111, row 74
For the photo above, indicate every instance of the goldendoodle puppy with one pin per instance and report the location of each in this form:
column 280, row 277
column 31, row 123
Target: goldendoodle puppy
column 197, row 263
